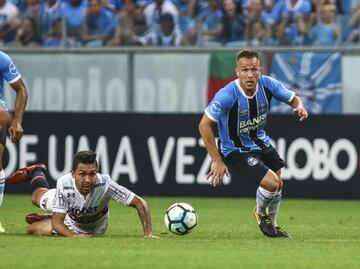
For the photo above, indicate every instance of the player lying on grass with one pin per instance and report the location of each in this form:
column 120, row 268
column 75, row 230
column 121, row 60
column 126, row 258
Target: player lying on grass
column 79, row 205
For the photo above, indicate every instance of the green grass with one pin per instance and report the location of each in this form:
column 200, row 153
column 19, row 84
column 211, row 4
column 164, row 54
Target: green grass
column 326, row 234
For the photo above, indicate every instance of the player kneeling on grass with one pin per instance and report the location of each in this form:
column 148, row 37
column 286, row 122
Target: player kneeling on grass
column 79, row 205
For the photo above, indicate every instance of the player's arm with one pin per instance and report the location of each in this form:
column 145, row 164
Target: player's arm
column 144, row 214
column 298, row 108
column 57, row 222
column 15, row 130
column 218, row 167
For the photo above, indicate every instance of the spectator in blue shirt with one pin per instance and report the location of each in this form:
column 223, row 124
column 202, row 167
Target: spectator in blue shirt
column 49, row 12
column 326, row 32
column 99, row 26
column 73, row 12
column 294, row 17
column 208, row 28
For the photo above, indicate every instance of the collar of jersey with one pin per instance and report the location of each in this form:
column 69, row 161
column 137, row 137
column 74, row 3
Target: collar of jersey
column 242, row 91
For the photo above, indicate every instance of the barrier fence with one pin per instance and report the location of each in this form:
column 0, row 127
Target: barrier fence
column 162, row 154
column 178, row 80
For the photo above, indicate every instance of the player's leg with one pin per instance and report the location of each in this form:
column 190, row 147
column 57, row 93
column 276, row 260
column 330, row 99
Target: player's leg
column 40, row 228
column 274, row 206
column 41, row 196
column 265, row 194
column 35, row 175
column 2, row 173
column 251, row 167
column 274, row 161
column 44, row 200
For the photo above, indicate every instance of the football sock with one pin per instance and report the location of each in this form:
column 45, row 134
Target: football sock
column 38, row 180
column 2, row 185
column 274, row 207
column 263, row 199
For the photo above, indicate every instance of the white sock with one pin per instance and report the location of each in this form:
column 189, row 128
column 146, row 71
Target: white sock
column 2, row 185
column 274, row 207
column 263, row 199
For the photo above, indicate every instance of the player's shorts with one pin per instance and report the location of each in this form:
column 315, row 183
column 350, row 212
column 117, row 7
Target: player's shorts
column 46, row 201
column 3, row 137
column 253, row 166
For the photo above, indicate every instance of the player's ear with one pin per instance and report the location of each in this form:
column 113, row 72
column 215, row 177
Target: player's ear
column 236, row 71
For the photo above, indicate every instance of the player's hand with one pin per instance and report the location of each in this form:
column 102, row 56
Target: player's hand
column 151, row 236
column 15, row 131
column 301, row 112
column 217, row 171
column 82, row 235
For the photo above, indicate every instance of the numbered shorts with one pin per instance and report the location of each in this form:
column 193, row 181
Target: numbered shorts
column 253, row 166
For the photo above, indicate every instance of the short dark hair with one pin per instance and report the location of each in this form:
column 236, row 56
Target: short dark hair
column 246, row 53
column 84, row 156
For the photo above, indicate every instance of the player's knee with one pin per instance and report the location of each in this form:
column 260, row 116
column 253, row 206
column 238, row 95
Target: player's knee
column 31, row 230
column 34, row 200
column 42, row 227
column 271, row 182
column 281, row 184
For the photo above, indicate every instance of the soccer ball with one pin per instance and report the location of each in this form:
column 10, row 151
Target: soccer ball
column 180, row 218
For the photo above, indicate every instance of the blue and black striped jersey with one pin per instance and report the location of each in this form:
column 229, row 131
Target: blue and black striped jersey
column 241, row 119
column 8, row 72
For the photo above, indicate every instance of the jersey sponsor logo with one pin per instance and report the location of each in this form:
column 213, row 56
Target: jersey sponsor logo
column 76, row 211
column 252, row 124
column 12, row 69
column 99, row 185
column 215, row 107
column 68, row 188
column 252, row 161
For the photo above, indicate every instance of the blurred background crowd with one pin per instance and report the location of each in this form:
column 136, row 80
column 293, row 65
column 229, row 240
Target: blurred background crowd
column 207, row 23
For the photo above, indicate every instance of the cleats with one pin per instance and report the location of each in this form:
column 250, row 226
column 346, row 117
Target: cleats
column 265, row 224
column 24, row 174
column 2, row 230
column 281, row 233
column 35, row 217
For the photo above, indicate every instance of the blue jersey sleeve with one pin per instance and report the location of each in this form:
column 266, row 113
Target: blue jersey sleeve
column 278, row 90
column 220, row 104
column 8, row 69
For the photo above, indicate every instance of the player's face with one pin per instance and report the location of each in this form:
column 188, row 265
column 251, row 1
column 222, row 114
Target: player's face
column 85, row 177
column 248, row 71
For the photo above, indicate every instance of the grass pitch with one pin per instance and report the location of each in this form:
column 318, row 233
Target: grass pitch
column 326, row 234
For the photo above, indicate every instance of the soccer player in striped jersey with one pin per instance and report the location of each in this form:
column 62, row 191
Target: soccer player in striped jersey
column 240, row 110
column 79, row 205
column 13, row 125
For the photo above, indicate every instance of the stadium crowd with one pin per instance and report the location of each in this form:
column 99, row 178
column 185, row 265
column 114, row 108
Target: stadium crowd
column 209, row 23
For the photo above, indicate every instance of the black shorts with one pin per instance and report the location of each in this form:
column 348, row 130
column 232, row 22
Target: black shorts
column 253, row 165
column 3, row 137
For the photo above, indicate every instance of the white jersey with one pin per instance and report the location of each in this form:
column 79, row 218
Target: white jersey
column 88, row 214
